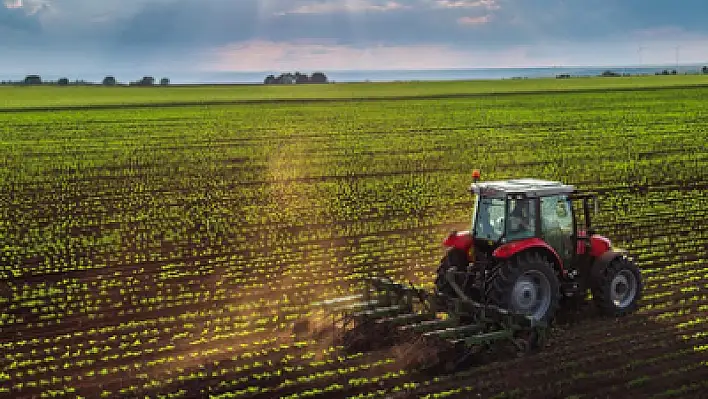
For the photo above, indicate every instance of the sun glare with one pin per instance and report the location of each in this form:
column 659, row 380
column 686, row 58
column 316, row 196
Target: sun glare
column 357, row 31
column 13, row 4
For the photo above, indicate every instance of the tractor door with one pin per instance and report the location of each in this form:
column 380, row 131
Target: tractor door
column 581, row 209
column 557, row 225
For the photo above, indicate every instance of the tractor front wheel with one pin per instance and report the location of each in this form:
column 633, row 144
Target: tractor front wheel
column 618, row 288
column 527, row 284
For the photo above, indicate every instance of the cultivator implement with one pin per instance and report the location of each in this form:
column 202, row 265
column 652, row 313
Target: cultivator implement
column 428, row 330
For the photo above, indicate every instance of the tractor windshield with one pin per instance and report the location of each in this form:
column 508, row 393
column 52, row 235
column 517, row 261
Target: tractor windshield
column 488, row 223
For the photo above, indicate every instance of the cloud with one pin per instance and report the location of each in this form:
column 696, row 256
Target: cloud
column 13, row 4
column 199, row 23
column 474, row 20
column 345, row 6
column 486, row 4
column 305, row 55
column 30, row 7
column 365, row 32
column 15, row 17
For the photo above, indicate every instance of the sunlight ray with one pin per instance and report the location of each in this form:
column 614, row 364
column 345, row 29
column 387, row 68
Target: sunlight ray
column 358, row 32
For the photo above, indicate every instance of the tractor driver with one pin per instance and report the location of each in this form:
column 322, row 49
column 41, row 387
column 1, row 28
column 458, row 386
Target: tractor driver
column 520, row 223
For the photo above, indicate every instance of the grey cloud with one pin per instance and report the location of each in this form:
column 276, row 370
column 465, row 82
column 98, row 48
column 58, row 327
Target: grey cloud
column 561, row 20
column 189, row 23
column 141, row 32
column 143, row 25
column 198, row 23
column 17, row 19
column 194, row 23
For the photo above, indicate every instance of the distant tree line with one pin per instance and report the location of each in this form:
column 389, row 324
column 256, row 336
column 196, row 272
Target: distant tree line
column 610, row 73
column 295, row 78
column 35, row 80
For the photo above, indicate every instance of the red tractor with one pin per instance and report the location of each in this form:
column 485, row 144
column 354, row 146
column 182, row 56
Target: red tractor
column 530, row 245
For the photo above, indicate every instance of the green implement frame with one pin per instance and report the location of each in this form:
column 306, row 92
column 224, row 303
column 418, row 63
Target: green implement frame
column 388, row 314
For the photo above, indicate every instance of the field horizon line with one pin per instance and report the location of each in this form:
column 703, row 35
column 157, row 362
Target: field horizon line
column 306, row 100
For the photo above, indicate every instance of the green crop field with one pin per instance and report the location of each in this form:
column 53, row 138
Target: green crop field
column 14, row 97
column 169, row 251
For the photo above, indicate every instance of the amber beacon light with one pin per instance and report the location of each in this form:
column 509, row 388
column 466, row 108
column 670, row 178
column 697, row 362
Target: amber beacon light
column 475, row 175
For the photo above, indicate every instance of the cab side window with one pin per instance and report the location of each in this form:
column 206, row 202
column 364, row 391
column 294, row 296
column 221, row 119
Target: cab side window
column 556, row 213
column 557, row 223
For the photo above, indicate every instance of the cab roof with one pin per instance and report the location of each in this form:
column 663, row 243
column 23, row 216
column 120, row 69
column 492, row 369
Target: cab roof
column 528, row 187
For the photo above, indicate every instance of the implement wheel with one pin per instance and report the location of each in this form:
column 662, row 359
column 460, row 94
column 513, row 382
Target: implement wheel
column 618, row 288
column 527, row 284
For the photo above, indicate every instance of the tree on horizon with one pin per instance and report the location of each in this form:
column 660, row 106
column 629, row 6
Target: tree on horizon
column 33, row 80
column 318, row 77
column 296, row 78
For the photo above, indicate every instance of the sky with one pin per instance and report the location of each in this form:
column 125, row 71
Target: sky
column 45, row 36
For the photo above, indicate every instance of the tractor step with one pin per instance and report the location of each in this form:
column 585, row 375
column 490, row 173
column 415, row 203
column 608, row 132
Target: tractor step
column 571, row 289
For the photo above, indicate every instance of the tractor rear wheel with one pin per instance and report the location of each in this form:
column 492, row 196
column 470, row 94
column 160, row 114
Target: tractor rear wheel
column 527, row 284
column 618, row 288
column 457, row 259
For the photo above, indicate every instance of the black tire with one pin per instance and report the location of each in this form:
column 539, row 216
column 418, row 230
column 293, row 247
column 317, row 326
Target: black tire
column 456, row 258
column 618, row 288
column 526, row 271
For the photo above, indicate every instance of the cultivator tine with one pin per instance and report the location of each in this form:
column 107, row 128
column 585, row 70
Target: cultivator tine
column 456, row 332
column 406, row 319
column 334, row 301
column 485, row 338
column 428, row 325
column 377, row 313
column 356, row 306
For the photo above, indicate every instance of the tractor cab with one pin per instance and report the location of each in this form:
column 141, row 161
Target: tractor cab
column 522, row 209
column 527, row 212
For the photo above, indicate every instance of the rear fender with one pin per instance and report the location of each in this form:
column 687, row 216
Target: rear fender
column 598, row 244
column 461, row 240
column 506, row 251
